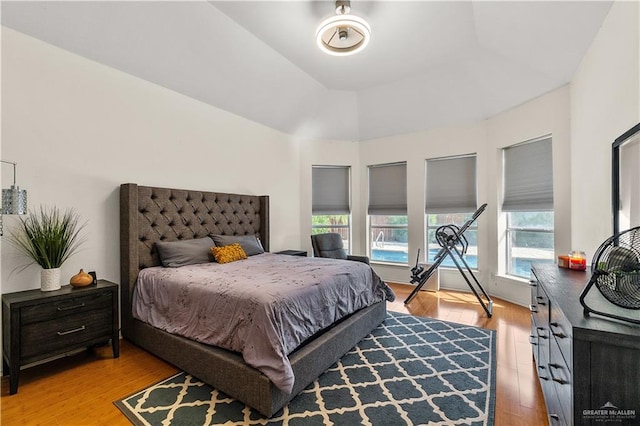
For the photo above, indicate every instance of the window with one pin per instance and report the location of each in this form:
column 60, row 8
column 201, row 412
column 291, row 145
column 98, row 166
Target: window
column 528, row 205
column 331, row 209
column 388, row 227
column 451, row 200
column 529, row 240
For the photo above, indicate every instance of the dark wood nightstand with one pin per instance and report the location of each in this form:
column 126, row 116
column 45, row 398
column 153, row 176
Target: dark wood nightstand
column 37, row 325
column 300, row 253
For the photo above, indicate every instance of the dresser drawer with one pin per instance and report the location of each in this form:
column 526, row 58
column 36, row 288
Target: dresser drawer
column 48, row 338
column 540, row 307
column 533, row 308
column 65, row 307
column 554, row 410
column 561, row 331
column 560, row 376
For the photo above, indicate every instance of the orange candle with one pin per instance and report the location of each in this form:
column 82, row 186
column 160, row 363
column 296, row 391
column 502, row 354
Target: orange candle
column 577, row 260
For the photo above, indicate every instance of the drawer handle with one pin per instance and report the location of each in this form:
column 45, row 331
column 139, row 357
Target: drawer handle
column 533, row 283
column 75, row 330
column 553, row 377
column 532, row 309
column 542, row 335
column 68, row 308
column 541, row 300
column 532, row 339
column 559, row 334
column 540, row 367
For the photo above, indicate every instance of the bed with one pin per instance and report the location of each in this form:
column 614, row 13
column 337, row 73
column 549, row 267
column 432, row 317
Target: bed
column 151, row 214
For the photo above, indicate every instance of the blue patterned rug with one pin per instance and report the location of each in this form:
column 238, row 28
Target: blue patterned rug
column 408, row 371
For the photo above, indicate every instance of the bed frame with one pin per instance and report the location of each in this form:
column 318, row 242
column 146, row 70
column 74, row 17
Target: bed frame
column 150, row 214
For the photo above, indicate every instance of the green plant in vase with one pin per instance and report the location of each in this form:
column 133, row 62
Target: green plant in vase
column 48, row 237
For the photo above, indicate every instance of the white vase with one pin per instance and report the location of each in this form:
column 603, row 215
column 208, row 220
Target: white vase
column 50, row 279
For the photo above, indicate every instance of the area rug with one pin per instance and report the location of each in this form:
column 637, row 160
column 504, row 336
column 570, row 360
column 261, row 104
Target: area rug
column 408, row 371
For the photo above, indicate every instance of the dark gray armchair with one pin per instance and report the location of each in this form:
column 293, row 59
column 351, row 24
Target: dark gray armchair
column 330, row 245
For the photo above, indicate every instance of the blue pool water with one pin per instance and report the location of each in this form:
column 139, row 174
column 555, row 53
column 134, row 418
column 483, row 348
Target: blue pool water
column 522, row 265
column 402, row 257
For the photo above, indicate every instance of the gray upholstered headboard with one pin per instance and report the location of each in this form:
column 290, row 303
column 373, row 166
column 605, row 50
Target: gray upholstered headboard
column 150, row 214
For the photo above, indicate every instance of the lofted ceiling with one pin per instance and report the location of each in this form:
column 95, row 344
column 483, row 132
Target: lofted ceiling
column 429, row 63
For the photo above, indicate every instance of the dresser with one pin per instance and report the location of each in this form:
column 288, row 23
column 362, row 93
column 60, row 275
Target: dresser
column 588, row 366
column 39, row 325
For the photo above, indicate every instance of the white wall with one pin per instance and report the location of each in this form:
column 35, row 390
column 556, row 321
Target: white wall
column 605, row 102
column 78, row 129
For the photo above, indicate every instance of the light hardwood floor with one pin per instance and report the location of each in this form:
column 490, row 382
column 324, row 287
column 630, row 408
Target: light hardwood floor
column 80, row 389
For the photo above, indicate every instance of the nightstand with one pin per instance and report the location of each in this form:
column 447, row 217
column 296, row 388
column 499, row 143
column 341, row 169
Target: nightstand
column 300, row 253
column 38, row 325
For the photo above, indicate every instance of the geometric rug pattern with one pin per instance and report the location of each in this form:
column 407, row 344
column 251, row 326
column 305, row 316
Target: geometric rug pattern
column 408, row 371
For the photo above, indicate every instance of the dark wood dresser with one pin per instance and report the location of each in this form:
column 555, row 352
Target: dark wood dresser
column 37, row 325
column 589, row 366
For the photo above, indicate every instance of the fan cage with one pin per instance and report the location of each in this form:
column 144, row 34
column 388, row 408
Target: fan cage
column 616, row 269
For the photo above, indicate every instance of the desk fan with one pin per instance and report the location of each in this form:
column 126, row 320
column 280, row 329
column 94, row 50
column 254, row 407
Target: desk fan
column 616, row 273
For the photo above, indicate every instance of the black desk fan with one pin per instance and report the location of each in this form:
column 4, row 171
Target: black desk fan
column 616, row 273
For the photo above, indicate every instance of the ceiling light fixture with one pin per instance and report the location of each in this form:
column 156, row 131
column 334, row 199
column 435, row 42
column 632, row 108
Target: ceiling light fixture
column 343, row 34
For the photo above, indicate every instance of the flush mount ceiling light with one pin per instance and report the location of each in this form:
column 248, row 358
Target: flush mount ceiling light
column 343, row 34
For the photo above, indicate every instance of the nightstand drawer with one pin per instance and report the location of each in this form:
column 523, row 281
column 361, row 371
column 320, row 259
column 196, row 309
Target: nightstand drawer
column 65, row 307
column 74, row 330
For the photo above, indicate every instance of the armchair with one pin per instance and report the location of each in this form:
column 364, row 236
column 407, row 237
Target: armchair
column 330, row 245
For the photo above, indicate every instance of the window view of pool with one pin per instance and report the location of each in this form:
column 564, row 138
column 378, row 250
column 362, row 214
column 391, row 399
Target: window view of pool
column 389, row 255
column 397, row 256
column 521, row 266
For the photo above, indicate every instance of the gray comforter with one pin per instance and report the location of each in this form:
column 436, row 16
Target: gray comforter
column 263, row 307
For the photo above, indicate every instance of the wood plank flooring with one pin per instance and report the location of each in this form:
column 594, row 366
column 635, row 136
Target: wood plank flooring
column 80, row 389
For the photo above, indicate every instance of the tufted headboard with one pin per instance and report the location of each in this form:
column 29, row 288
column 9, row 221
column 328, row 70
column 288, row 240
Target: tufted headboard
column 150, row 214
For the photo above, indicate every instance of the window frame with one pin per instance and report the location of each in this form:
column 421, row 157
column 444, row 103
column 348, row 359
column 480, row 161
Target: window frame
column 527, row 187
column 473, row 227
column 332, row 177
column 373, row 238
column 451, row 188
column 509, row 245
column 333, row 228
column 387, row 197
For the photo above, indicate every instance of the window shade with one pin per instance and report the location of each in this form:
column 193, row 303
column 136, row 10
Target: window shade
column 388, row 189
column 528, row 177
column 451, row 185
column 330, row 190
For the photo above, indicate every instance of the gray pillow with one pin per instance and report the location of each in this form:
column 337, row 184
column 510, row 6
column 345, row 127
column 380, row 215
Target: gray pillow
column 185, row 252
column 249, row 243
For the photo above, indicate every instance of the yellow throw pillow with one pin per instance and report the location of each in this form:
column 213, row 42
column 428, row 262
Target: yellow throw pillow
column 229, row 253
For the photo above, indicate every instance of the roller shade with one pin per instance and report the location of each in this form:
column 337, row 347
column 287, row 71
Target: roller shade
column 528, row 177
column 388, row 189
column 330, row 190
column 451, row 185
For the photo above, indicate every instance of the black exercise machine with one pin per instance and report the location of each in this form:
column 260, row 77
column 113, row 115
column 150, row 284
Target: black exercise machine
column 454, row 244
